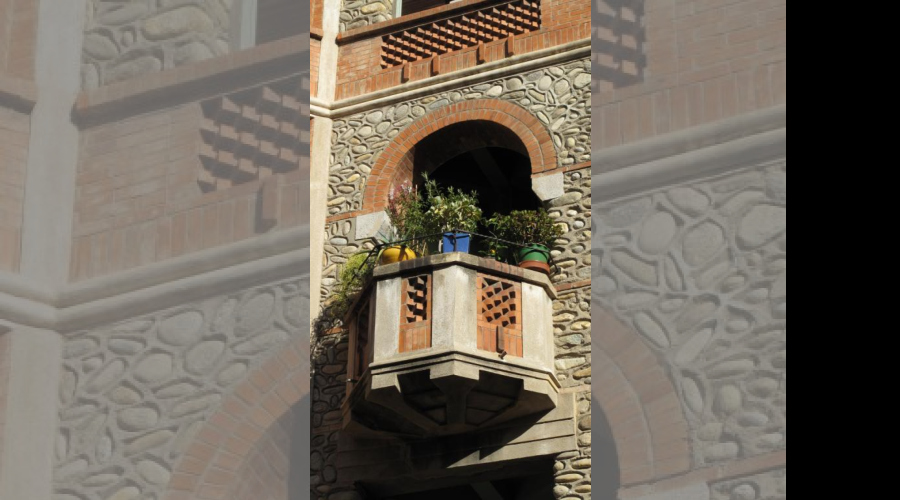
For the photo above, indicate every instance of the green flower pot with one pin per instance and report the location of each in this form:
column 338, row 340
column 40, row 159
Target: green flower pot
column 538, row 253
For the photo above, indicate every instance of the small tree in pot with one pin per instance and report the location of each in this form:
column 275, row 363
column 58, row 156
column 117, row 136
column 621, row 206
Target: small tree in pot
column 406, row 211
column 452, row 212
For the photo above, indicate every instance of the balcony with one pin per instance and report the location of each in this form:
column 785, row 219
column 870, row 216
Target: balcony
column 450, row 344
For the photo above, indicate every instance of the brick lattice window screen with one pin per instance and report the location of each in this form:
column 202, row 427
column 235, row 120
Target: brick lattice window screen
column 457, row 33
column 499, row 315
column 252, row 134
column 363, row 334
column 415, row 313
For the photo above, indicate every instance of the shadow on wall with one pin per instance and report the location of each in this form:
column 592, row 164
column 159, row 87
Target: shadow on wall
column 299, row 477
column 605, row 472
column 617, row 43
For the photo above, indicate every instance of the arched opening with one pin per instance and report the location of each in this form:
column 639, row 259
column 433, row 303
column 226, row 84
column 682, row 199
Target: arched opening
column 277, row 465
column 480, row 156
column 477, row 156
column 606, row 477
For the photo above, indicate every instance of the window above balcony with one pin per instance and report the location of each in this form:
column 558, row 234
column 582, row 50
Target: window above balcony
column 407, row 7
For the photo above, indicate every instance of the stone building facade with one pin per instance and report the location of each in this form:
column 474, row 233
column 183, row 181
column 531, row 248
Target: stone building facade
column 403, row 90
column 158, row 273
column 680, row 303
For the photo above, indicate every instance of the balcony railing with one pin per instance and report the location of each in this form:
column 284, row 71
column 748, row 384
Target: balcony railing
column 450, row 343
column 462, row 31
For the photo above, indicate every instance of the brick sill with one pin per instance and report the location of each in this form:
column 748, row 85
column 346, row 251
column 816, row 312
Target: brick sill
column 192, row 82
column 419, row 18
column 17, row 94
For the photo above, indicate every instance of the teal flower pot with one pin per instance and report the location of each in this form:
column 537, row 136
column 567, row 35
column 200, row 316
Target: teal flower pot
column 538, row 253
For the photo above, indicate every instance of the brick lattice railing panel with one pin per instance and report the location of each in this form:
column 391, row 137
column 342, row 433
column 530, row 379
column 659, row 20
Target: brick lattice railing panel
column 499, row 315
column 252, row 134
column 415, row 313
column 457, row 33
column 363, row 334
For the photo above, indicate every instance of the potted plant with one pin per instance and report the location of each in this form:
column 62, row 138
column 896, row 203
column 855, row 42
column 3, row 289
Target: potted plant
column 452, row 212
column 352, row 280
column 406, row 213
column 534, row 231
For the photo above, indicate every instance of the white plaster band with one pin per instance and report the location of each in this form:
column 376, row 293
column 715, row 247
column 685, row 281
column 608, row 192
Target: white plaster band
column 158, row 286
column 654, row 163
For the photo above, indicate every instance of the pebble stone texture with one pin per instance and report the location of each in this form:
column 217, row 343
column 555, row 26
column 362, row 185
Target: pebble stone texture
column 560, row 98
column 127, row 39
column 133, row 395
column 701, row 272
column 365, row 12
column 769, row 486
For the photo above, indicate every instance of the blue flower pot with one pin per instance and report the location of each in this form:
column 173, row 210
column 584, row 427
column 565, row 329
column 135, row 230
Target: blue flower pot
column 456, row 242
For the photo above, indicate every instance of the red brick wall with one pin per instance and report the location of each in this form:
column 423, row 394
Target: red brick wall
column 706, row 60
column 315, row 46
column 266, row 470
column 315, row 14
column 138, row 200
column 359, row 64
column 18, row 36
column 14, row 134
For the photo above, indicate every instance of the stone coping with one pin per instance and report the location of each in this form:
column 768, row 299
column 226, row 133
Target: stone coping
column 488, row 266
column 410, row 20
column 192, row 82
column 17, row 94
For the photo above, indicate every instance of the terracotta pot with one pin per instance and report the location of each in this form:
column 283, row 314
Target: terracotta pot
column 536, row 265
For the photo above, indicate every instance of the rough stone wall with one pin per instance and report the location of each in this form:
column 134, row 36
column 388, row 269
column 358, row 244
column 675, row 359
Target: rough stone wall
column 360, row 13
column 328, row 388
column 572, row 325
column 124, row 40
column 133, row 395
column 767, row 486
column 560, row 98
column 700, row 271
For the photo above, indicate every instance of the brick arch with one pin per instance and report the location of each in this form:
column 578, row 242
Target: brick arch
column 531, row 132
column 640, row 402
column 222, row 447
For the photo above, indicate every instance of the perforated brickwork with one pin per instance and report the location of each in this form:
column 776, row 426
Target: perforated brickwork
column 415, row 313
column 499, row 315
column 457, row 33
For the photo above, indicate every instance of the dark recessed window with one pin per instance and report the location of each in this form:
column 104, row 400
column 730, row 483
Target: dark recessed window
column 413, row 6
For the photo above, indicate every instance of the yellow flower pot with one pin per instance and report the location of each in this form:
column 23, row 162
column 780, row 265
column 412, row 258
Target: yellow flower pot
column 397, row 253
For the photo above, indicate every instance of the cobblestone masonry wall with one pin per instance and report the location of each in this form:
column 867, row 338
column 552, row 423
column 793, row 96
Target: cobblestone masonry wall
column 124, row 40
column 359, row 13
column 701, row 272
column 560, row 98
column 768, row 486
column 133, row 395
